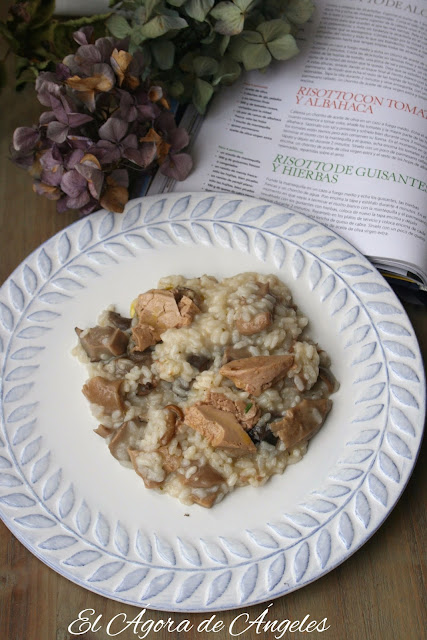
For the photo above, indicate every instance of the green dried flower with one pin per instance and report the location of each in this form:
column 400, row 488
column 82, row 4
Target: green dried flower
column 196, row 46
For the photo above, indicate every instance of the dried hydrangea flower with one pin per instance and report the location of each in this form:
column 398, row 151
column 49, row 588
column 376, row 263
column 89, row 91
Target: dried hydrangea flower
column 105, row 124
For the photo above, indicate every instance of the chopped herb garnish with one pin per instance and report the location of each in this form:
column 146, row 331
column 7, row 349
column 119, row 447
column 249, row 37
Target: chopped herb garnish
column 248, row 407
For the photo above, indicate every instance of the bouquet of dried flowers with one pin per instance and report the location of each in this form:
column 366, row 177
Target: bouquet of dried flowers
column 105, row 123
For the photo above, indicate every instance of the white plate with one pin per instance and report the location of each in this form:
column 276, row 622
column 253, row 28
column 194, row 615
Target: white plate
column 65, row 497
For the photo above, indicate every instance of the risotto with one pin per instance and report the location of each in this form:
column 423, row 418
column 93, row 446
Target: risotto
column 208, row 386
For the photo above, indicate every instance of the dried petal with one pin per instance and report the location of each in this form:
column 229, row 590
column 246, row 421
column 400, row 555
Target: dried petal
column 79, row 201
column 105, row 46
column 115, row 197
column 52, row 193
column 57, row 131
column 120, row 61
column 91, row 160
column 73, row 183
column 177, row 166
column 53, row 177
column 106, row 151
column 88, row 54
column 83, row 35
column 78, row 119
column 114, row 129
column 178, row 139
column 73, row 158
column 120, row 177
column 143, row 156
column 25, row 139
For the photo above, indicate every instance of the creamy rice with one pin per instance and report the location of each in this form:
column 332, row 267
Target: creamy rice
column 166, row 451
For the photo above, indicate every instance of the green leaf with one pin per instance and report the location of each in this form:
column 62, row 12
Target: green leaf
column 228, row 72
column 205, row 66
column 118, row 26
column 256, row 56
column 225, row 41
column 176, row 89
column 230, row 19
column 202, row 94
column 283, row 48
column 273, row 29
column 199, row 9
column 164, row 53
column 299, row 11
column 251, row 37
column 176, row 3
column 245, row 5
column 160, row 25
column 150, row 5
column 241, row 42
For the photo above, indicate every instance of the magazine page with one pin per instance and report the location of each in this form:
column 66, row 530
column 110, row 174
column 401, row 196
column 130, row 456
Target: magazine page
column 339, row 132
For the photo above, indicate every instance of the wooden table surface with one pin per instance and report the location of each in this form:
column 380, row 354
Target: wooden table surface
column 377, row 594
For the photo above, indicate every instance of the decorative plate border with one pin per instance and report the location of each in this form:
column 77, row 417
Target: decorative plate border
column 210, row 575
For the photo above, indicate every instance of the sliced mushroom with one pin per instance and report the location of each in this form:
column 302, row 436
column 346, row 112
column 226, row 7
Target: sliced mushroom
column 302, row 421
column 174, row 415
column 103, row 431
column 143, row 470
column 204, row 477
column 257, row 373
column 220, row 428
column 256, row 324
column 328, row 378
column 261, row 432
column 199, row 362
column 124, row 437
column 143, row 389
column 119, row 321
column 231, row 353
column 105, row 393
column 103, row 342
column 171, row 462
column 206, row 500
column 141, row 358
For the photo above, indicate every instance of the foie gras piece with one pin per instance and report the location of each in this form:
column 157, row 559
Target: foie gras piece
column 220, row 428
column 106, row 393
column 246, row 412
column 258, row 373
column 302, row 421
column 159, row 309
column 144, row 337
column 256, row 324
column 103, row 342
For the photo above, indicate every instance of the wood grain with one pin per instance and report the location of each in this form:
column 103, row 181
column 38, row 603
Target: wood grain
column 377, row 594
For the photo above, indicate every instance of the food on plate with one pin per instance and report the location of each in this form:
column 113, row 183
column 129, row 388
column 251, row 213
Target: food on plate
column 210, row 385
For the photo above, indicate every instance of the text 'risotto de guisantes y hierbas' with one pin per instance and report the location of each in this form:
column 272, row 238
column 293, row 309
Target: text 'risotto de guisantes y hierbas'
column 209, row 386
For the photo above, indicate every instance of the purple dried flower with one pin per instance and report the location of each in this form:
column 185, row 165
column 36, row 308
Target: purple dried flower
column 104, row 124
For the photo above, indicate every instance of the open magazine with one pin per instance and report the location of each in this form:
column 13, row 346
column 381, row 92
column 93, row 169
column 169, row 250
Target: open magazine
column 338, row 133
